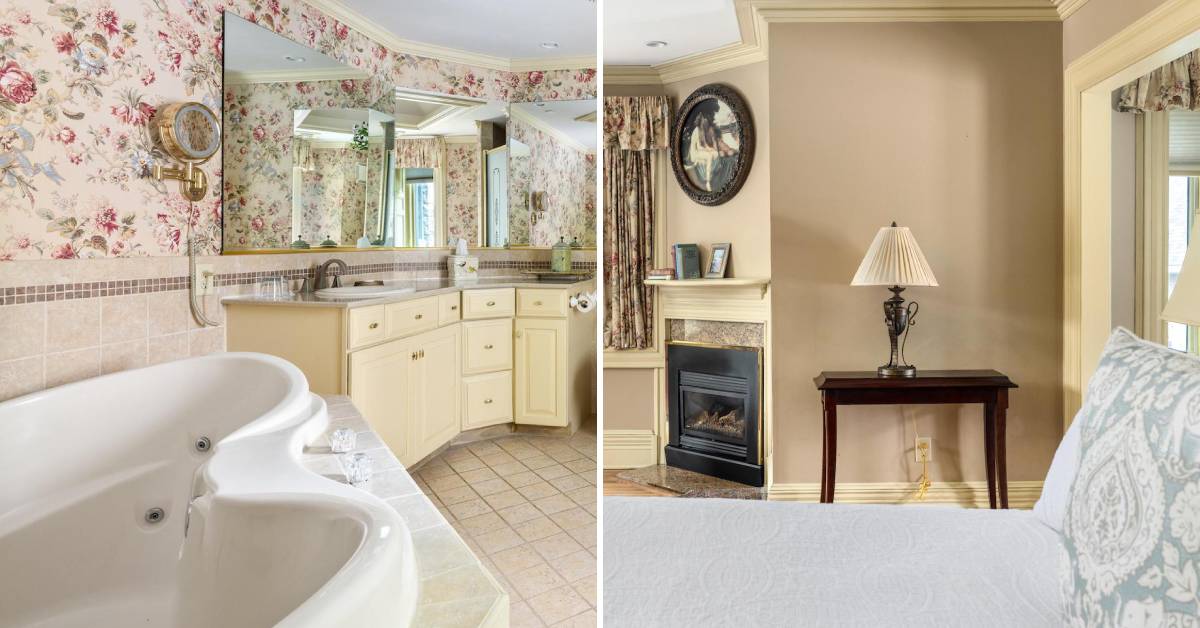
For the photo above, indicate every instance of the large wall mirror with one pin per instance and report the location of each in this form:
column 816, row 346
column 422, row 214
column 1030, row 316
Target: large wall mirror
column 319, row 155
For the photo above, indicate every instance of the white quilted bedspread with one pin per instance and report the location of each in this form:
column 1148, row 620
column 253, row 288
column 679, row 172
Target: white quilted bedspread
column 716, row 562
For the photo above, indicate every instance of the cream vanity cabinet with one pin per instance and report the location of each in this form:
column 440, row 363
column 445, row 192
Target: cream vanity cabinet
column 424, row 369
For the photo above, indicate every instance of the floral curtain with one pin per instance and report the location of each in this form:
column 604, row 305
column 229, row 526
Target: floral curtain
column 637, row 122
column 428, row 152
column 634, row 127
column 1173, row 87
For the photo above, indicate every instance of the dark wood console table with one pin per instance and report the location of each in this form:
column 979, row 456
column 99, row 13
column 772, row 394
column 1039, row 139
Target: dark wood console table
column 989, row 388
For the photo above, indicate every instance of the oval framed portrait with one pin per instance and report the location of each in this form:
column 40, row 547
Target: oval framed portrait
column 712, row 144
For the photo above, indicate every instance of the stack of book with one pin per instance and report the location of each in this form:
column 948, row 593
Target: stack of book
column 660, row 274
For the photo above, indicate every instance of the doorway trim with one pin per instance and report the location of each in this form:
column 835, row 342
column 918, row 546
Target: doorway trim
column 1164, row 34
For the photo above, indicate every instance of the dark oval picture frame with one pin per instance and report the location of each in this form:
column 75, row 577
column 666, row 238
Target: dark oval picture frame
column 712, row 144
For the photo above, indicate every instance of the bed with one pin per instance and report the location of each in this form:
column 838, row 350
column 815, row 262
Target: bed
column 716, row 562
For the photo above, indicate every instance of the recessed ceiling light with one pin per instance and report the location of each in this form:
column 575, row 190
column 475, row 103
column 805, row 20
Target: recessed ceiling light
column 539, row 104
column 656, row 43
column 548, row 110
column 294, row 59
column 549, row 45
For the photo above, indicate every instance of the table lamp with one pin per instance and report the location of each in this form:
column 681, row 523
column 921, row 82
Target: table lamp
column 1184, row 304
column 895, row 260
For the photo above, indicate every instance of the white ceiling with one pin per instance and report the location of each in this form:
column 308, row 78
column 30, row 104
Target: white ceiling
column 688, row 27
column 560, row 115
column 250, row 48
column 1185, row 138
column 513, row 29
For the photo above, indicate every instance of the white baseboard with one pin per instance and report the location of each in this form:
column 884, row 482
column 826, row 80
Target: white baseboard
column 629, row 449
column 1021, row 494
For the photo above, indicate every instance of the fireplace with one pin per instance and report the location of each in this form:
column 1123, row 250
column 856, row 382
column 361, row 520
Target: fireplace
column 714, row 397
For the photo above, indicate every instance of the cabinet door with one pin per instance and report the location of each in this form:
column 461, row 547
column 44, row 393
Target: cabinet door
column 487, row 400
column 379, row 387
column 487, row 346
column 435, row 386
column 541, row 372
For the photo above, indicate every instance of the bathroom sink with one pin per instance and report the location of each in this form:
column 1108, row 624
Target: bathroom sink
column 360, row 292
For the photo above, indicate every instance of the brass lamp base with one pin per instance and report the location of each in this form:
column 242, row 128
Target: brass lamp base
column 907, row 370
column 897, row 317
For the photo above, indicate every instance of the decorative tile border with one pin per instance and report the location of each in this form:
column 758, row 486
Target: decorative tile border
column 20, row 295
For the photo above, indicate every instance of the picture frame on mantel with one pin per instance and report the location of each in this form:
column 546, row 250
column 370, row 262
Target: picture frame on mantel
column 687, row 261
column 718, row 259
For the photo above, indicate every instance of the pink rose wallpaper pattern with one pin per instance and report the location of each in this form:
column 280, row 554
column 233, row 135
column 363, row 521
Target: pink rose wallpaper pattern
column 79, row 79
column 567, row 176
column 462, row 191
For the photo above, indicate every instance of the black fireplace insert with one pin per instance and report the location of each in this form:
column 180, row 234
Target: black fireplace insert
column 715, row 418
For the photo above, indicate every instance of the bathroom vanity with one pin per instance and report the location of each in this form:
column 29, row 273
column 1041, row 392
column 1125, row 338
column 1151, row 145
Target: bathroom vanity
column 425, row 360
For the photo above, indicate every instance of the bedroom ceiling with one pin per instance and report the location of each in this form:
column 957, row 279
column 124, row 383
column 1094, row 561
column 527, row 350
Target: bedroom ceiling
column 687, row 27
column 512, row 31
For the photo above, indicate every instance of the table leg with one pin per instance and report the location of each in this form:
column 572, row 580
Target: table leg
column 829, row 453
column 989, row 450
column 1001, row 462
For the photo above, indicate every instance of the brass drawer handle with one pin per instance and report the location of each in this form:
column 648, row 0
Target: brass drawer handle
column 373, row 326
column 413, row 356
column 487, row 400
column 453, row 307
column 418, row 316
column 487, row 346
column 491, row 303
column 537, row 302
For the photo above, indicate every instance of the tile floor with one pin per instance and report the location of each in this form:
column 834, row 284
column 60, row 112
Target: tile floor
column 526, row 505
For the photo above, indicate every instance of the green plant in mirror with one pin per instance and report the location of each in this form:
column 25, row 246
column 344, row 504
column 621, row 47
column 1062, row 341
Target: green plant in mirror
column 359, row 142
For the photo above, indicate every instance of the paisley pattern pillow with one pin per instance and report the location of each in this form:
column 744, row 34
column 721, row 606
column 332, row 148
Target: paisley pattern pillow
column 1132, row 530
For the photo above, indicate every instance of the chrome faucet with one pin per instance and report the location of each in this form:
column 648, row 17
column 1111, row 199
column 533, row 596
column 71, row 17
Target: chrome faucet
column 323, row 270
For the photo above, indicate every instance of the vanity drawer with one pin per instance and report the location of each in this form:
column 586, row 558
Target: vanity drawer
column 487, row 346
column 367, row 325
column 449, row 308
column 487, row 400
column 411, row 317
column 488, row 303
column 541, row 302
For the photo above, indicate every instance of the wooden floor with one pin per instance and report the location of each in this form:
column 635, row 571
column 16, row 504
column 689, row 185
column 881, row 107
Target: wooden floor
column 616, row 487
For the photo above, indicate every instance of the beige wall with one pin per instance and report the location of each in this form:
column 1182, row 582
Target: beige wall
column 952, row 129
column 1098, row 20
column 629, row 399
column 746, row 219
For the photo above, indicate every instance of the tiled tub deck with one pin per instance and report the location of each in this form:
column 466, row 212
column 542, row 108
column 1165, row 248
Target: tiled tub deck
column 499, row 522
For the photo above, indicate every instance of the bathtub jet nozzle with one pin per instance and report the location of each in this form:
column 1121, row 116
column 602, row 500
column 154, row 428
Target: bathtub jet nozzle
column 203, row 444
column 155, row 515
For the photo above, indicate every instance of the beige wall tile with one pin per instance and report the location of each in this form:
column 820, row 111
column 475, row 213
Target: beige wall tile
column 73, row 324
column 123, row 356
column 20, row 377
column 123, row 318
column 24, row 331
column 72, row 366
column 206, row 341
column 168, row 312
column 166, row 348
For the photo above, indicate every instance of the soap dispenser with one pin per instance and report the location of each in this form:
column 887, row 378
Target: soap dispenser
column 560, row 257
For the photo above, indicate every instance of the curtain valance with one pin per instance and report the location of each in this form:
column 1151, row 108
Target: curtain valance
column 1173, row 87
column 637, row 122
column 427, row 152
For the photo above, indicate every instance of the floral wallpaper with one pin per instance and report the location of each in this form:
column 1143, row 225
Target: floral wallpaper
column 520, row 180
column 568, row 178
column 332, row 182
column 462, row 191
column 80, row 79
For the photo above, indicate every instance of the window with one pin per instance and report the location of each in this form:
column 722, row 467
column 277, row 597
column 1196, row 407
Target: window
column 416, row 208
column 1183, row 197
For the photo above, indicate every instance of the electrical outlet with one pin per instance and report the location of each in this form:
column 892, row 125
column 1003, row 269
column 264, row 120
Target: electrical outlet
column 926, row 443
column 204, row 279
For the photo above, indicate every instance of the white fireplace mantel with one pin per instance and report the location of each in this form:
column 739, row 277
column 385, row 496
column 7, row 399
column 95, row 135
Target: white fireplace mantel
column 736, row 299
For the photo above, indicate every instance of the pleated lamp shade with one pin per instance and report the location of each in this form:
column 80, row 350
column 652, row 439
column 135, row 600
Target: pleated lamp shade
column 1184, row 304
column 894, row 259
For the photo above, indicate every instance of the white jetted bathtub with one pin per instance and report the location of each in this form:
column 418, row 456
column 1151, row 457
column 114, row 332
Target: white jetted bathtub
column 174, row 496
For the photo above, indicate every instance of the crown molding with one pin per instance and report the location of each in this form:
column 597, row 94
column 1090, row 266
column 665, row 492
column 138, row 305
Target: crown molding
column 357, row 21
column 293, row 76
column 1066, row 7
column 754, row 17
column 519, row 114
